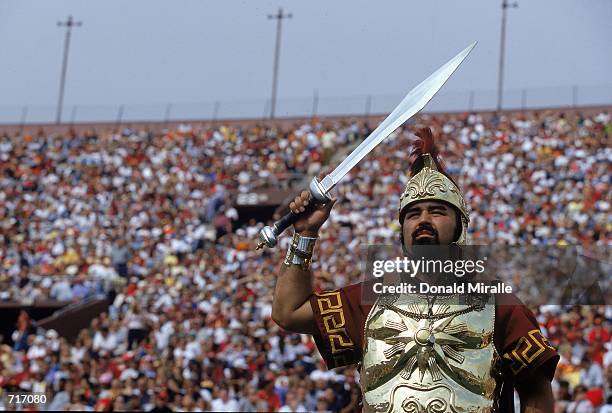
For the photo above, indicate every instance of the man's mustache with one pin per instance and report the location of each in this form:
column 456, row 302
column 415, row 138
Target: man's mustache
column 425, row 228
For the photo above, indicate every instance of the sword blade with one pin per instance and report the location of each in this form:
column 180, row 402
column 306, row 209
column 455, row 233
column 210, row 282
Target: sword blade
column 414, row 101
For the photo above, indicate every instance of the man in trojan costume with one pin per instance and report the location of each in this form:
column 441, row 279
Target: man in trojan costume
column 421, row 354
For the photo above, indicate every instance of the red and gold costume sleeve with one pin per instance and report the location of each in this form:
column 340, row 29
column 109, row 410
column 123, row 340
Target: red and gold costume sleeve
column 340, row 320
column 524, row 349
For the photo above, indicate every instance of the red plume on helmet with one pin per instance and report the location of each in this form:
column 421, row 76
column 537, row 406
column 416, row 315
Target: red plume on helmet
column 426, row 144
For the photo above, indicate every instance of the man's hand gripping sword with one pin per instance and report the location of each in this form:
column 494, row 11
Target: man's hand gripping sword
column 414, row 101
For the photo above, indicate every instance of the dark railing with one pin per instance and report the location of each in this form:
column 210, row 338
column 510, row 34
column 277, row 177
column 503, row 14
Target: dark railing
column 445, row 101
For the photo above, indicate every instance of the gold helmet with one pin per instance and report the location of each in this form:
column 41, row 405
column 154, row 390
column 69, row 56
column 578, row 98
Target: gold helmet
column 430, row 182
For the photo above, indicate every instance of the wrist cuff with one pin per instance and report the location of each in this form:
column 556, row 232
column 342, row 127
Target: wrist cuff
column 300, row 251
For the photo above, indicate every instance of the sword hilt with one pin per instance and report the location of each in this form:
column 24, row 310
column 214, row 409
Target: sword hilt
column 268, row 235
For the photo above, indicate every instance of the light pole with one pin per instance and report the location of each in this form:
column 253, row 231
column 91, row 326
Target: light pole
column 502, row 51
column 69, row 24
column 279, row 20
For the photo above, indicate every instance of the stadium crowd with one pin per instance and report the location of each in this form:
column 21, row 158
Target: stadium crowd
column 147, row 219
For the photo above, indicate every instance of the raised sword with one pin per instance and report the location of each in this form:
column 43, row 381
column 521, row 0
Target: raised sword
column 414, row 101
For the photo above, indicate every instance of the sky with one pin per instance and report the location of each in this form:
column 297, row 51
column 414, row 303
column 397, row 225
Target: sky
column 185, row 51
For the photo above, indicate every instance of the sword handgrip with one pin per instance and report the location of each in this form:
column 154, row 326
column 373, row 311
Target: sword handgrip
column 268, row 236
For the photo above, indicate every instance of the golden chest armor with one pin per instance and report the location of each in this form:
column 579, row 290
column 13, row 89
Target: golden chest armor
column 430, row 356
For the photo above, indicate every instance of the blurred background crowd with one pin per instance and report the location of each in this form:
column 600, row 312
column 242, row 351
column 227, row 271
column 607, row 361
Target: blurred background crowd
column 148, row 220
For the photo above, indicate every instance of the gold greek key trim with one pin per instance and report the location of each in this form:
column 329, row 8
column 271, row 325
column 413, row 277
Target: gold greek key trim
column 342, row 345
column 535, row 343
column 332, row 315
column 330, row 307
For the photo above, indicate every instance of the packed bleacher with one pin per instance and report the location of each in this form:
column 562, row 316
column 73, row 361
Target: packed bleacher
column 146, row 218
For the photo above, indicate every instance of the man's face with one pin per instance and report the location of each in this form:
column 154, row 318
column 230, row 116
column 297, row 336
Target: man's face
column 429, row 223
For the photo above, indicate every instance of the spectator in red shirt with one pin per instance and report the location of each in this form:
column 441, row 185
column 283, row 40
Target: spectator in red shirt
column 269, row 395
column 599, row 333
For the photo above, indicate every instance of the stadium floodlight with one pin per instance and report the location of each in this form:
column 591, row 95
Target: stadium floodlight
column 69, row 24
column 279, row 25
column 502, row 52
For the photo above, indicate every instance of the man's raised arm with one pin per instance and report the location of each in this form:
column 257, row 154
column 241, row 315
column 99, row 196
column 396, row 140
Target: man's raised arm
column 291, row 306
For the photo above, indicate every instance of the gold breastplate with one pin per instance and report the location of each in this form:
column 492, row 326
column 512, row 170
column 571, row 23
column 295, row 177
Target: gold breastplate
column 424, row 356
